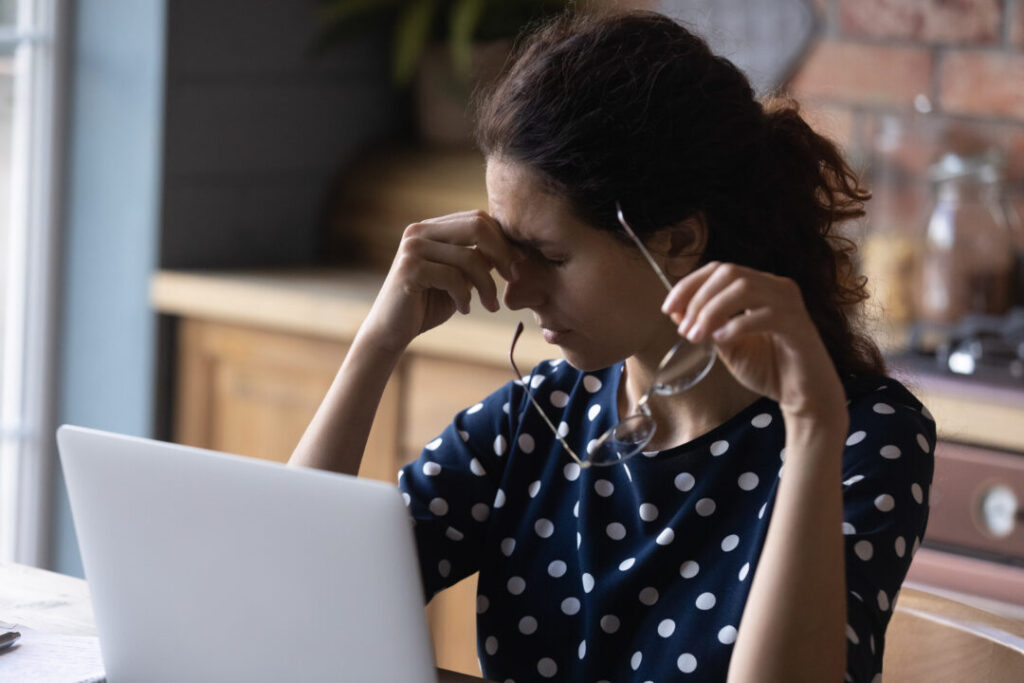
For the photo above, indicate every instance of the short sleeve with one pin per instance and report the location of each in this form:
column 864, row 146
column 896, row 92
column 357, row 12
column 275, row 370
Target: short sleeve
column 454, row 484
column 887, row 472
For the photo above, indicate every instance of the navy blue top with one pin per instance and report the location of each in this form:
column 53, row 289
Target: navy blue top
column 640, row 571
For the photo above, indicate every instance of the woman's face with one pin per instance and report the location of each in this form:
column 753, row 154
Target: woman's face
column 594, row 296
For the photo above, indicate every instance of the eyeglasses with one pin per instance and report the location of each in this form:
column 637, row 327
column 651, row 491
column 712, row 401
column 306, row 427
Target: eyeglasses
column 682, row 367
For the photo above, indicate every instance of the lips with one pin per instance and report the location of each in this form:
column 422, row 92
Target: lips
column 554, row 336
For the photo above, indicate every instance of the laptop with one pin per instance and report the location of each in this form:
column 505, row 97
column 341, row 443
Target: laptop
column 204, row 566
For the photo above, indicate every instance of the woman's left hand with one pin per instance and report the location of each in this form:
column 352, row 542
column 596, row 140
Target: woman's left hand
column 764, row 336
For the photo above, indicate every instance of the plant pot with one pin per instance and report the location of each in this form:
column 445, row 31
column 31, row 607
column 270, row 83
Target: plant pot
column 444, row 116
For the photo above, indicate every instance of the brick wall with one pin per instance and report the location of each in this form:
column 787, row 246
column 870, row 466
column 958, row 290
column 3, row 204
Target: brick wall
column 949, row 73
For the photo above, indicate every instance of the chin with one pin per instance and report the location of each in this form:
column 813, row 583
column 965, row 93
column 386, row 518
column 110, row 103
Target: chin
column 586, row 363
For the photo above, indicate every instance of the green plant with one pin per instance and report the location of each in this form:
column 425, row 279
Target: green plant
column 416, row 23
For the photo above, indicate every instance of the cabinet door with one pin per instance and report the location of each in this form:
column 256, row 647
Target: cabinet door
column 437, row 389
column 253, row 392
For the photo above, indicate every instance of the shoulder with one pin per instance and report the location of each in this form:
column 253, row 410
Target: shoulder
column 886, row 401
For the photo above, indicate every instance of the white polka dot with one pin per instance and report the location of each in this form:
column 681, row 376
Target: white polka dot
column 687, row 663
column 760, row 513
column 761, row 421
column 592, row 384
column 627, row 564
column 705, row 601
column 439, row 506
column 563, row 429
column 491, row 645
column 922, row 441
column 571, row 471
column 885, row 502
column 883, row 601
column 594, row 411
column 730, row 542
column 526, row 443
column 592, row 446
column 570, row 606
column 851, row 635
column 719, row 447
column 604, row 488
column 547, row 668
column 609, row 623
column 864, row 550
column 544, row 528
column 476, row 468
column 744, row 570
column 890, row 452
column 557, row 569
column 576, row 509
column 582, row 650
column 505, row 408
column 853, row 480
column 900, row 546
column 588, row 582
column 856, row 438
column 433, row 445
column 883, row 409
column 917, row 492
column 665, row 537
column 444, row 568
column 431, row 469
column 615, row 531
column 648, row 512
column 454, row 534
column 480, row 512
column 727, row 635
column 666, row 627
column 685, row 481
column 533, row 489
column 499, row 498
column 689, row 569
column 482, row 603
column 507, row 546
column 407, row 498
column 705, row 507
column 527, row 625
column 516, row 585
column 649, row 596
column 634, row 661
column 536, row 381
column 500, row 445
column 848, row 529
column 579, row 540
column 559, row 398
column 748, row 481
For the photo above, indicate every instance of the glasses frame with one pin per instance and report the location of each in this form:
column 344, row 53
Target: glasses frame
column 643, row 411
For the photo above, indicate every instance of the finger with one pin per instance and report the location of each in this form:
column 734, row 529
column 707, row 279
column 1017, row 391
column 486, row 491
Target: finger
column 471, row 229
column 762, row 320
column 721, row 298
column 424, row 276
column 695, row 321
column 471, row 262
column 676, row 301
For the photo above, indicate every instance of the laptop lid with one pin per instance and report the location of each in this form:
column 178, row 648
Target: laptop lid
column 204, row 566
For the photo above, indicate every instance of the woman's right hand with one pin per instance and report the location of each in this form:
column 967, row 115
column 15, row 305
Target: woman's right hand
column 438, row 264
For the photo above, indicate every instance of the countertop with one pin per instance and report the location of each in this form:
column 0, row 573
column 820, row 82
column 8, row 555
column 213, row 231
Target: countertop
column 331, row 303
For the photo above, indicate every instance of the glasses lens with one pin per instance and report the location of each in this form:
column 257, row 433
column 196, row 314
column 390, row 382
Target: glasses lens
column 683, row 366
column 624, row 441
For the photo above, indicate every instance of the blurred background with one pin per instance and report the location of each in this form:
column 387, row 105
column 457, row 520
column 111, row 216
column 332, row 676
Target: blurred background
column 198, row 199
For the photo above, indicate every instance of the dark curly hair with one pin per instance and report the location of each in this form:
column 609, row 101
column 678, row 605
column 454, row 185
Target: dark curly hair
column 632, row 106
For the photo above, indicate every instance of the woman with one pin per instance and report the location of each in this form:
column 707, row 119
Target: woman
column 703, row 557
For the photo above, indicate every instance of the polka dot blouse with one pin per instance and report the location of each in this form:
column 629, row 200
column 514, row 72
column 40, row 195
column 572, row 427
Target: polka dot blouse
column 640, row 571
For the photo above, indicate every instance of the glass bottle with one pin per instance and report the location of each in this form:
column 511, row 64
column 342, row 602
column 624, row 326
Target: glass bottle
column 968, row 256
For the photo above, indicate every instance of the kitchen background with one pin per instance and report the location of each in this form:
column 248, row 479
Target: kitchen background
column 205, row 145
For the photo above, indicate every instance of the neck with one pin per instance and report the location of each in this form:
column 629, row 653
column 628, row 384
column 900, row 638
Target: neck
column 683, row 417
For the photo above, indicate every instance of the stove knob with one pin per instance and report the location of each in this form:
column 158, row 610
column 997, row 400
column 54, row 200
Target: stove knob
column 999, row 510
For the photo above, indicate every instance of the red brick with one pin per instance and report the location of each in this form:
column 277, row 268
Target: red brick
column 864, row 74
column 835, row 123
column 982, row 83
column 932, row 21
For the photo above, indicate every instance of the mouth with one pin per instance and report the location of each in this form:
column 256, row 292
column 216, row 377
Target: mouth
column 554, row 336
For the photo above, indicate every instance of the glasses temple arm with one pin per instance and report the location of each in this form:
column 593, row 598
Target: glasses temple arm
column 643, row 250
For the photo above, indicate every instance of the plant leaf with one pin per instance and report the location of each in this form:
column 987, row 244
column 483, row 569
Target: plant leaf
column 411, row 35
column 463, row 22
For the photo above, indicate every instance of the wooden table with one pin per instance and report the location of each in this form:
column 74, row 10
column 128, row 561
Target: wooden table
column 56, row 603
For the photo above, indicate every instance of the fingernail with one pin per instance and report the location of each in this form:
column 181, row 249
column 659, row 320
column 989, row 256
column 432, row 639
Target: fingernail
column 695, row 333
column 684, row 325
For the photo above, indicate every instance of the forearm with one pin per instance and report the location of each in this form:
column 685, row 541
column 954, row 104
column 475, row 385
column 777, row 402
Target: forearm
column 793, row 626
column 336, row 436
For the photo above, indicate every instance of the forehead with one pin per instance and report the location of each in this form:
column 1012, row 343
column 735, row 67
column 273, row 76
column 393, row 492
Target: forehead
column 527, row 210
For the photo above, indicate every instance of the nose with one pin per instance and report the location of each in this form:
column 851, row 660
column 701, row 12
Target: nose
column 526, row 292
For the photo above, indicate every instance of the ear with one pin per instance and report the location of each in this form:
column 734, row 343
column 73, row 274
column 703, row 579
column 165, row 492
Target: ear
column 680, row 246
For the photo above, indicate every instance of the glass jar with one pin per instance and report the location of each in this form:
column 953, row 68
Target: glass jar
column 968, row 258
